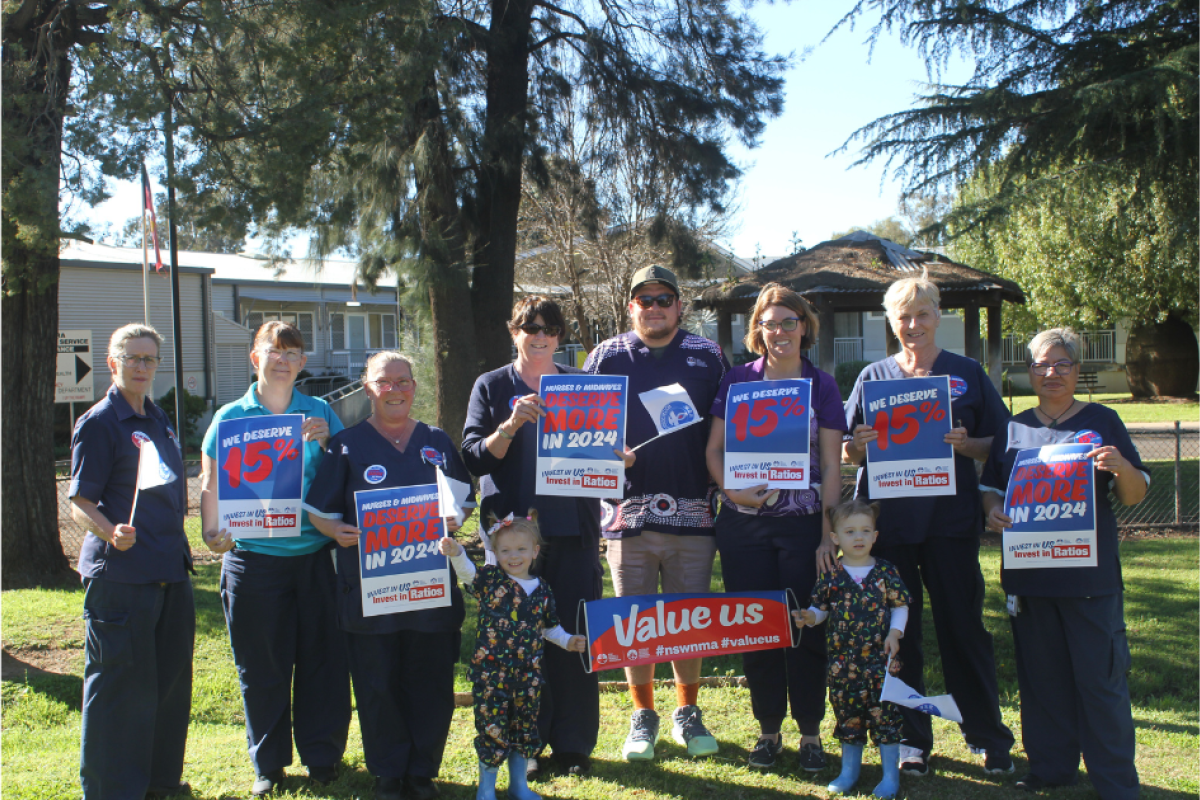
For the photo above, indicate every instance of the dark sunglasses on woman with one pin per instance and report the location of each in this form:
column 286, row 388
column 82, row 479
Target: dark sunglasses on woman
column 533, row 329
column 663, row 300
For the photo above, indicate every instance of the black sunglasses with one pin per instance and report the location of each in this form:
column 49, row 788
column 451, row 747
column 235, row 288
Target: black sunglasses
column 533, row 329
column 663, row 300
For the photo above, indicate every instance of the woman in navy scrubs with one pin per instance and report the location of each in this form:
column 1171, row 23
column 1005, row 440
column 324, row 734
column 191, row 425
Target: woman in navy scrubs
column 402, row 664
column 1068, row 623
column 500, row 445
column 137, row 603
column 934, row 541
column 278, row 593
column 780, row 539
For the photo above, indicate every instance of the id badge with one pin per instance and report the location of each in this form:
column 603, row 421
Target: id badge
column 1014, row 605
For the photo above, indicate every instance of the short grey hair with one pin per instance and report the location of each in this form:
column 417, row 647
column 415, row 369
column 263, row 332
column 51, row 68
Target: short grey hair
column 1065, row 338
column 378, row 360
column 906, row 291
column 134, row 330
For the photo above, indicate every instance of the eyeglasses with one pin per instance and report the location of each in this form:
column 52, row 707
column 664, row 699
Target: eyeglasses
column 149, row 362
column 290, row 356
column 789, row 324
column 1042, row 369
column 533, row 329
column 404, row 385
column 661, row 300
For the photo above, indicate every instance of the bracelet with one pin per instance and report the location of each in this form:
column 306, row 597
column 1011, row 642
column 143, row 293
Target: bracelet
column 504, row 433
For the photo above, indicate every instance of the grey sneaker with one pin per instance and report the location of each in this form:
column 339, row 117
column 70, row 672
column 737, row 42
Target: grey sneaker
column 643, row 733
column 765, row 752
column 688, row 729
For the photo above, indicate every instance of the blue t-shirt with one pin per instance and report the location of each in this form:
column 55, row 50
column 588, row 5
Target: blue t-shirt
column 104, row 465
column 310, row 539
column 975, row 405
column 827, row 412
column 1094, row 424
column 668, row 490
column 507, row 485
column 342, row 473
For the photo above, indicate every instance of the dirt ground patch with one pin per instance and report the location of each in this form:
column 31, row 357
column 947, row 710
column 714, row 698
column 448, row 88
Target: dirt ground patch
column 20, row 663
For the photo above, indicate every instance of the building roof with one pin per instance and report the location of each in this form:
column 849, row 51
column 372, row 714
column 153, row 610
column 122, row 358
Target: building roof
column 861, row 264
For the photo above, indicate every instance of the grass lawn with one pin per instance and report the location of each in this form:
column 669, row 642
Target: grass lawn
column 41, row 715
column 1129, row 411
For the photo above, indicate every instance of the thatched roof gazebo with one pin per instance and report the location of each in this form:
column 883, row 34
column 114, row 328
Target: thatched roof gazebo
column 852, row 273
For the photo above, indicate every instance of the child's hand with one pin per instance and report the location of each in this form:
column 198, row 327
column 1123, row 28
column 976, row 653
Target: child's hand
column 577, row 644
column 448, row 547
column 891, row 645
column 804, row 618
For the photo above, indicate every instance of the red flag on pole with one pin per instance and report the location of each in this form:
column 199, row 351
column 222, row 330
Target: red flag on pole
column 148, row 206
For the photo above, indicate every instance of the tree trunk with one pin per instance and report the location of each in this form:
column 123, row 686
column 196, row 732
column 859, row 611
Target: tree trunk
column 1163, row 359
column 36, row 76
column 500, row 182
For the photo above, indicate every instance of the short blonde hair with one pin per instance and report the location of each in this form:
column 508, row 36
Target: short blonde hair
column 134, row 330
column 849, row 508
column 378, row 360
column 1065, row 338
column 907, row 291
column 776, row 294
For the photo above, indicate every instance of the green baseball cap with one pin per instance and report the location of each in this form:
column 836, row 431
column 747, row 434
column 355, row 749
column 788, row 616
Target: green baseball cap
column 655, row 273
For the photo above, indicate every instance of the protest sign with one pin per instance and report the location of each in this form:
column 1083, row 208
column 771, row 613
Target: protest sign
column 584, row 423
column 910, row 458
column 767, row 434
column 260, row 481
column 647, row 629
column 1051, row 500
column 398, row 560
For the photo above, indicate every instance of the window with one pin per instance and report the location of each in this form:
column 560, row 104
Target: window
column 369, row 331
column 303, row 320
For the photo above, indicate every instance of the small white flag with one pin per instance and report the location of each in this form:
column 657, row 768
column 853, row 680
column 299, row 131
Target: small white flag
column 151, row 469
column 451, row 496
column 898, row 692
column 670, row 407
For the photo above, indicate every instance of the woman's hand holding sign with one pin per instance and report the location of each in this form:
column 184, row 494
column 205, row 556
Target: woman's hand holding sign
column 218, row 541
column 345, row 534
column 526, row 409
column 316, row 430
column 753, row 497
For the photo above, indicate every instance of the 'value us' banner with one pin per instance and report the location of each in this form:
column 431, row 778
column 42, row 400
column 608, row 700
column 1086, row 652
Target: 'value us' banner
column 910, row 458
column 400, row 567
column 584, row 424
column 260, row 476
column 646, row 629
column 767, row 434
column 1051, row 500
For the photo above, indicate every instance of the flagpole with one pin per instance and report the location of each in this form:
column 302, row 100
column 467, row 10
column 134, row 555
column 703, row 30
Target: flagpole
column 180, row 422
column 145, row 254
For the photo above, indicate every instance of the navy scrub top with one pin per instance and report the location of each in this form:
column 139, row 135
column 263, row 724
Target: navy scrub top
column 342, row 473
column 104, row 467
column 975, row 405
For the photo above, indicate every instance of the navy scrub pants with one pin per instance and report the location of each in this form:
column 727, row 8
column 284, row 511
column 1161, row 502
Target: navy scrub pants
column 137, row 686
column 569, row 719
column 760, row 553
column 281, row 612
column 948, row 569
column 404, row 692
column 1072, row 661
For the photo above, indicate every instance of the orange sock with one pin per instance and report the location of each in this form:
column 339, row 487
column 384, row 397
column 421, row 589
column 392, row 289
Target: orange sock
column 686, row 693
column 643, row 696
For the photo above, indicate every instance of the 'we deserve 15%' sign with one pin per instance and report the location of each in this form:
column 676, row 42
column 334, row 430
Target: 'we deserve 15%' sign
column 910, row 458
column 767, row 434
column 583, row 425
column 260, row 479
column 1051, row 500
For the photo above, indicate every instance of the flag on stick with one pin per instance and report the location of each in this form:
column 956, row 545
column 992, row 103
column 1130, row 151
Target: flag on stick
column 898, row 692
column 451, row 496
column 152, row 471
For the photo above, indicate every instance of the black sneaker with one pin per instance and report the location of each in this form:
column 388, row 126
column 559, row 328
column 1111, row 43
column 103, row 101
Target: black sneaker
column 157, row 792
column 812, row 757
column 765, row 752
column 538, row 767
column 322, row 776
column 1031, row 783
column 995, row 763
column 420, row 787
column 576, row 764
column 913, row 762
column 268, row 783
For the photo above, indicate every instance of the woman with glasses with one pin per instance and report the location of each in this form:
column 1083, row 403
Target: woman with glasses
column 1068, row 623
column 934, row 541
column 500, row 446
column 278, row 593
column 137, row 601
column 403, row 663
column 779, row 539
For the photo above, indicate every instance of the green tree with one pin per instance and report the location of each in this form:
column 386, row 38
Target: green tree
column 192, row 236
column 890, row 228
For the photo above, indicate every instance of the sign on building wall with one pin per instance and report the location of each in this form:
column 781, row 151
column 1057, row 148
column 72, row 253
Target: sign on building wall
column 73, row 374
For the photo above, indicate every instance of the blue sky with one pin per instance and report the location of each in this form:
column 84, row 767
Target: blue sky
column 791, row 183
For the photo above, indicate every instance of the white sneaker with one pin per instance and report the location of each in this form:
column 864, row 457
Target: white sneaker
column 643, row 733
column 688, row 729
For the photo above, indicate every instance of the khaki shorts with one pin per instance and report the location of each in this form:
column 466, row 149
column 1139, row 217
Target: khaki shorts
column 685, row 563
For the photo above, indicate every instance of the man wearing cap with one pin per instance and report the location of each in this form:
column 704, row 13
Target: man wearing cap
column 664, row 524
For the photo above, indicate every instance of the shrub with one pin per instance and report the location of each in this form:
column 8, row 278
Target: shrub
column 846, row 373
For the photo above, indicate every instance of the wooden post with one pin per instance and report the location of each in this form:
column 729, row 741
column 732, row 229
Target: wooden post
column 995, row 348
column 826, row 353
column 725, row 332
column 971, row 341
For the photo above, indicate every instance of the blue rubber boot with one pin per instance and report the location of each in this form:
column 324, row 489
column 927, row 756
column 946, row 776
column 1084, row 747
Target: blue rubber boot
column 487, row 782
column 518, row 786
column 851, row 766
column 889, row 756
